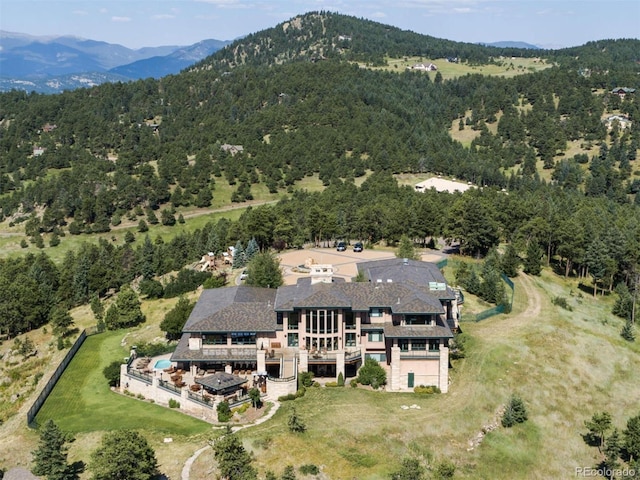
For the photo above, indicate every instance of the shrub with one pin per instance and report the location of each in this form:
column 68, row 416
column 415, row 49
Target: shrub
column 515, row 412
column 305, row 379
column 331, row 384
column 309, row 469
column 151, row 288
column 186, row 281
column 340, row 380
column 426, row 390
column 224, row 412
column 174, row 403
column 145, row 349
column 562, row 303
column 371, row 373
column 353, row 383
column 288, row 397
column 241, row 409
column 112, row 373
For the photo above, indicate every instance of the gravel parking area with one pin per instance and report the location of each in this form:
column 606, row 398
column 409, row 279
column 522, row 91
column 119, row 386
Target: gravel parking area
column 344, row 263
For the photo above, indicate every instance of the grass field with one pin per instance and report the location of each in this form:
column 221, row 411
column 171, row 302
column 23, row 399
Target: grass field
column 505, row 67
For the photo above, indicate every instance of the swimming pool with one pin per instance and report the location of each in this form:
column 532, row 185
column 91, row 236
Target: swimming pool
column 162, row 364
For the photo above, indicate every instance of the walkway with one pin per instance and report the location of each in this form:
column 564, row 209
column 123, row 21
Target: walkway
column 186, row 470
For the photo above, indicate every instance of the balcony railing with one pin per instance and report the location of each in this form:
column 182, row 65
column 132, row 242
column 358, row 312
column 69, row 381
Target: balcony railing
column 139, row 375
column 169, row 387
column 419, row 353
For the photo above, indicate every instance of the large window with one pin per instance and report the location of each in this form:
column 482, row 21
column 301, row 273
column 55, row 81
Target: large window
column 376, row 312
column 322, row 321
column 434, row 345
column 404, row 345
column 417, row 320
column 418, row 345
column 350, row 340
column 379, row 357
column 214, row 339
column 292, row 340
column 349, row 321
column 243, row 338
column 375, row 336
column 292, row 322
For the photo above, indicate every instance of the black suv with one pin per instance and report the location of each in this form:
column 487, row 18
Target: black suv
column 358, row 247
column 341, row 246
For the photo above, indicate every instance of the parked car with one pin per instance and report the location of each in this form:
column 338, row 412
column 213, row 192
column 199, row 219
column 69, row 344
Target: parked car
column 244, row 275
column 341, row 246
column 358, row 247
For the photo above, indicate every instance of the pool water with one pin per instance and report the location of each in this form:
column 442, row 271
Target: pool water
column 162, row 364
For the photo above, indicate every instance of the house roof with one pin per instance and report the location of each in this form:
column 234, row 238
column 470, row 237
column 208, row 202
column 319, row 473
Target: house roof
column 411, row 272
column 233, row 309
column 221, row 382
column 358, row 296
column 623, row 89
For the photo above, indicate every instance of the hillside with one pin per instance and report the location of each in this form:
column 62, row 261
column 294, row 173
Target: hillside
column 307, row 133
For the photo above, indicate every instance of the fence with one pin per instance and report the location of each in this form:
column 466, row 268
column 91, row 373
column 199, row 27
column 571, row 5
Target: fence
column 48, row 388
column 500, row 308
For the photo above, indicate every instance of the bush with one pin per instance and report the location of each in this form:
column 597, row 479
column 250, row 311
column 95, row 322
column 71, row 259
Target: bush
column 309, row 469
column 515, row 412
column 353, row 383
column 371, row 373
column 340, row 380
column 331, row 384
column 305, row 379
column 112, row 373
column 151, row 288
column 562, row 303
column 145, row 349
column 215, row 281
column 174, row 403
column 224, row 412
column 426, row 390
column 186, row 281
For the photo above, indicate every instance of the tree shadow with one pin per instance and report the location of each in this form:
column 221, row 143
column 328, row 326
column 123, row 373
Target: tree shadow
column 591, row 440
column 76, row 468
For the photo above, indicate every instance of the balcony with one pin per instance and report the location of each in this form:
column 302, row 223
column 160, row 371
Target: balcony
column 419, row 353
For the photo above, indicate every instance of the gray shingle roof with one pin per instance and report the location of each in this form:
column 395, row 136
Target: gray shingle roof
column 233, row 309
column 413, row 272
column 401, row 298
column 221, row 382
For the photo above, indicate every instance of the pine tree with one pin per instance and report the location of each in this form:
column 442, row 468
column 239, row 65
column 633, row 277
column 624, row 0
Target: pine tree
column 598, row 426
column 406, row 249
column 295, row 423
column 234, row 462
column 515, row 412
column 123, row 454
column 238, row 256
column 533, row 261
column 50, row 458
column 510, row 262
column 627, row 332
column 252, row 250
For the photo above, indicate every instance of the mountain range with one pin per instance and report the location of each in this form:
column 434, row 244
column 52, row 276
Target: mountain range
column 52, row 64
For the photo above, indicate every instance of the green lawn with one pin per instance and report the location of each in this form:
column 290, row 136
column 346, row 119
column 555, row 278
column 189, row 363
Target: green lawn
column 83, row 402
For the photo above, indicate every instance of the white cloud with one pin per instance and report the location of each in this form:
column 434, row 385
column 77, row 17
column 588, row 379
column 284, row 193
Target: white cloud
column 164, row 16
column 121, row 19
column 80, row 12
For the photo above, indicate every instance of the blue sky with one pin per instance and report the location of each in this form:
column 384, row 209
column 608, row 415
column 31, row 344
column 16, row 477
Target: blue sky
column 139, row 23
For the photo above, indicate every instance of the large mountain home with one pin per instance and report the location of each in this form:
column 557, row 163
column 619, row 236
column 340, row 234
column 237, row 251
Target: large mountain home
column 403, row 317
